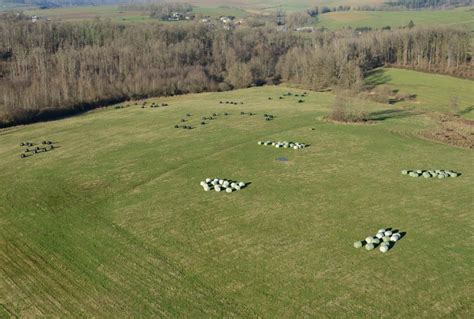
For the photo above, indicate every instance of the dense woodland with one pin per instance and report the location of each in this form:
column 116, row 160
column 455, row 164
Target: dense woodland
column 57, row 67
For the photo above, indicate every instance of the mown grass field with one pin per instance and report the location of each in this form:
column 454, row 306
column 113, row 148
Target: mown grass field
column 113, row 223
column 433, row 92
column 377, row 19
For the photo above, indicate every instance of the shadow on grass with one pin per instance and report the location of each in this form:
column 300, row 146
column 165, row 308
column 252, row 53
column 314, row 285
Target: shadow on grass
column 377, row 77
column 390, row 114
column 467, row 110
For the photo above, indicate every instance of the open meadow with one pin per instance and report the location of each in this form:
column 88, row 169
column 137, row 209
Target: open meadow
column 433, row 92
column 113, row 221
column 462, row 17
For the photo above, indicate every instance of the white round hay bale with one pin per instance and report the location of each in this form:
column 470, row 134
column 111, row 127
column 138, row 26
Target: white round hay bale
column 278, row 146
column 413, row 174
column 237, row 187
column 206, row 188
column 203, row 183
column 221, row 181
column 383, row 248
column 379, row 235
column 376, row 241
column 233, row 185
column 385, row 239
column 394, row 238
column 381, row 230
column 404, row 172
column 419, row 171
column 388, row 233
column 369, row 240
column 228, row 190
column 217, row 188
column 208, row 180
column 216, row 180
column 426, row 175
column 358, row 244
column 441, row 176
column 242, row 184
column 369, row 246
column 295, row 147
column 225, row 184
column 260, row 142
column 453, row 174
column 214, row 183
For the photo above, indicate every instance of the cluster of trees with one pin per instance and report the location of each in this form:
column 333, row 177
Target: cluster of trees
column 295, row 19
column 64, row 66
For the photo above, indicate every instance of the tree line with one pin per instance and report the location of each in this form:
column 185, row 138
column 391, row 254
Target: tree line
column 55, row 67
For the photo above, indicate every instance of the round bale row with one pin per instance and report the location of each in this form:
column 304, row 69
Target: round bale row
column 186, row 127
column 230, row 102
column 284, row 144
column 154, row 105
column 430, row 173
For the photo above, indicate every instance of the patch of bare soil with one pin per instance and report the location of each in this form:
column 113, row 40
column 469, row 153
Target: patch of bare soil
column 452, row 130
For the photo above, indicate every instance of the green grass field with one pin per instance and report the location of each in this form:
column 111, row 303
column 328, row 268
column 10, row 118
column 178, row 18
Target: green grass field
column 433, row 92
column 378, row 19
column 113, row 223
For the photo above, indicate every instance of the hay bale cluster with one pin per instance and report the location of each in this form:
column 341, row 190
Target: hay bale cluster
column 153, row 105
column 284, row 144
column 300, row 96
column 249, row 113
column 268, row 117
column 385, row 239
column 437, row 173
column 222, row 185
column 33, row 148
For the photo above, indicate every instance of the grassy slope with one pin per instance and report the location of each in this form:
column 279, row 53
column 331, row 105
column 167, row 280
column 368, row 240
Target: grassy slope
column 379, row 19
column 434, row 92
column 114, row 222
